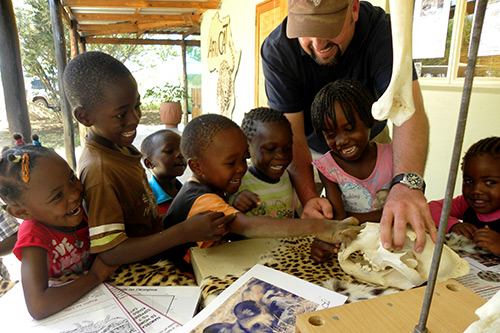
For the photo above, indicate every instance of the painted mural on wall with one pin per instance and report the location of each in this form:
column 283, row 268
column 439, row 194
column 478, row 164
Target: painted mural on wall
column 225, row 60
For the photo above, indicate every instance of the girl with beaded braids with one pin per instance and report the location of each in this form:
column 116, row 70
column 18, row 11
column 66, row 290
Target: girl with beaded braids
column 476, row 213
column 39, row 187
column 356, row 172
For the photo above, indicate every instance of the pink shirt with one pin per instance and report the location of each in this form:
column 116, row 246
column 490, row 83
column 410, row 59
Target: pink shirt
column 359, row 195
column 458, row 208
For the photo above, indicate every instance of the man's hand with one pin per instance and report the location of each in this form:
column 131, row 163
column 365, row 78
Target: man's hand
column 404, row 206
column 245, row 201
column 318, row 208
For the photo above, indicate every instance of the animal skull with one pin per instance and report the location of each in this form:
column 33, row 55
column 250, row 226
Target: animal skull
column 402, row 269
column 396, row 103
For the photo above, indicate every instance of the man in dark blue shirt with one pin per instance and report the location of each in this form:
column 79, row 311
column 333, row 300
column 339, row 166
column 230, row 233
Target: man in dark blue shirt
column 319, row 42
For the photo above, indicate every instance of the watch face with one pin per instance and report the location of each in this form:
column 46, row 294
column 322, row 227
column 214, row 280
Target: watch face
column 413, row 180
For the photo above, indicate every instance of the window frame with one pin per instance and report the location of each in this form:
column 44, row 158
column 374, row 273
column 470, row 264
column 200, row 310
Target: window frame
column 452, row 79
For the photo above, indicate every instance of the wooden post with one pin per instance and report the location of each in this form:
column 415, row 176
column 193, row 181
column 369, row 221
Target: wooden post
column 60, row 48
column 12, row 73
column 184, row 81
column 81, row 45
column 73, row 39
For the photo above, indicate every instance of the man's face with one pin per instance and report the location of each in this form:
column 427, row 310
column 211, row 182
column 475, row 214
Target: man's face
column 328, row 51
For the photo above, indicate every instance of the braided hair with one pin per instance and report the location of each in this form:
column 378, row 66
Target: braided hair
column 352, row 97
column 252, row 118
column 15, row 166
column 88, row 74
column 199, row 133
column 489, row 146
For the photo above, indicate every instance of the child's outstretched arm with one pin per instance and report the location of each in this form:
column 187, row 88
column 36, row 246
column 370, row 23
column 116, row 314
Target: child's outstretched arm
column 205, row 226
column 245, row 201
column 268, row 227
column 42, row 300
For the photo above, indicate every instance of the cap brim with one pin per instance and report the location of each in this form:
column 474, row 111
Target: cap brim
column 326, row 26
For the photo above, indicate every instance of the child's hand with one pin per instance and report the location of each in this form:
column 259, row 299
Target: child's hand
column 245, row 201
column 464, row 229
column 321, row 251
column 485, row 237
column 341, row 231
column 207, row 226
column 100, row 269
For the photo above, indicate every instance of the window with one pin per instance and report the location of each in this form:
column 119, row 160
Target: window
column 441, row 35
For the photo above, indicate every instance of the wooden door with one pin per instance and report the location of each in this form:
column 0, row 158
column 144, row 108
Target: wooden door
column 268, row 15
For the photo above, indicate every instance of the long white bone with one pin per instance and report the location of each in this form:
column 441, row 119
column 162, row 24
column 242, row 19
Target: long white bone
column 396, row 104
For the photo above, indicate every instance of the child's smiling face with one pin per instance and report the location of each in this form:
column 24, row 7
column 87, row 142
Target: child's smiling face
column 271, row 149
column 346, row 141
column 224, row 163
column 481, row 183
column 54, row 195
column 117, row 116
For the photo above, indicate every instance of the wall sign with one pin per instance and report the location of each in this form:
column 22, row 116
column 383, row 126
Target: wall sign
column 225, row 60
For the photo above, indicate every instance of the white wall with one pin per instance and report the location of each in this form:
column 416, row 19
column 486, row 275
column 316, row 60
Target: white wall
column 442, row 103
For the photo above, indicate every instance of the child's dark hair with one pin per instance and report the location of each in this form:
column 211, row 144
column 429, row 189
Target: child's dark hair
column 88, row 74
column 252, row 118
column 17, row 136
column 488, row 146
column 200, row 132
column 352, row 96
column 148, row 144
column 16, row 164
column 35, row 137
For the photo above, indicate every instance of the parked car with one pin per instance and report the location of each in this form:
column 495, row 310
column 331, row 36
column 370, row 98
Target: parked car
column 39, row 95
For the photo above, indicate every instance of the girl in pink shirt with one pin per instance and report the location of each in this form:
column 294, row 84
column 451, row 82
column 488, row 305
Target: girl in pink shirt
column 476, row 213
column 356, row 172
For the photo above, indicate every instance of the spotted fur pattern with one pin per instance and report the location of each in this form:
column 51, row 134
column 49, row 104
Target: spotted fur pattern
column 6, row 285
column 292, row 256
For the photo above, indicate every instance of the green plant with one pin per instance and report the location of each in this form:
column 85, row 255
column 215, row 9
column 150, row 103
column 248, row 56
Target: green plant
column 166, row 93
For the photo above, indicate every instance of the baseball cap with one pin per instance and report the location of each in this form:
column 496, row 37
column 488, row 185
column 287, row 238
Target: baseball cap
column 316, row 18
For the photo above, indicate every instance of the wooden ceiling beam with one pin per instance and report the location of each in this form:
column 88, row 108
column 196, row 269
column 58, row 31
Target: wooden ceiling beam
column 135, row 17
column 211, row 4
column 140, row 41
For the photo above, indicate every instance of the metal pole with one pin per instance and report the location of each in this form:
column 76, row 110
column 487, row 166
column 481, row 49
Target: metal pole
column 457, row 150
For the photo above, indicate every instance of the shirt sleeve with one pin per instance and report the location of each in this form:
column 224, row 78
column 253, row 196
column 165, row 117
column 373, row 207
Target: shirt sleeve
column 212, row 202
column 8, row 225
column 106, row 222
column 458, row 207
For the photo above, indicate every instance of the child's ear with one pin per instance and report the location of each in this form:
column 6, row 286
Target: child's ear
column 148, row 164
column 19, row 212
column 195, row 166
column 83, row 116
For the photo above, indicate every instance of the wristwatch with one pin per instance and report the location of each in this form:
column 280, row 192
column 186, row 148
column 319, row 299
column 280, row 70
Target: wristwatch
column 410, row 179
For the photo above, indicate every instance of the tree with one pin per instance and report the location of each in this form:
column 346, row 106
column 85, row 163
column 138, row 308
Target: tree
column 37, row 44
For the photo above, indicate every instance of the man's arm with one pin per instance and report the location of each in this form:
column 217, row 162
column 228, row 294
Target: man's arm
column 404, row 205
column 301, row 172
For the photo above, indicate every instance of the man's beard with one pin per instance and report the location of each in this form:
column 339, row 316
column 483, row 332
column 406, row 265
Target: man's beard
column 335, row 60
